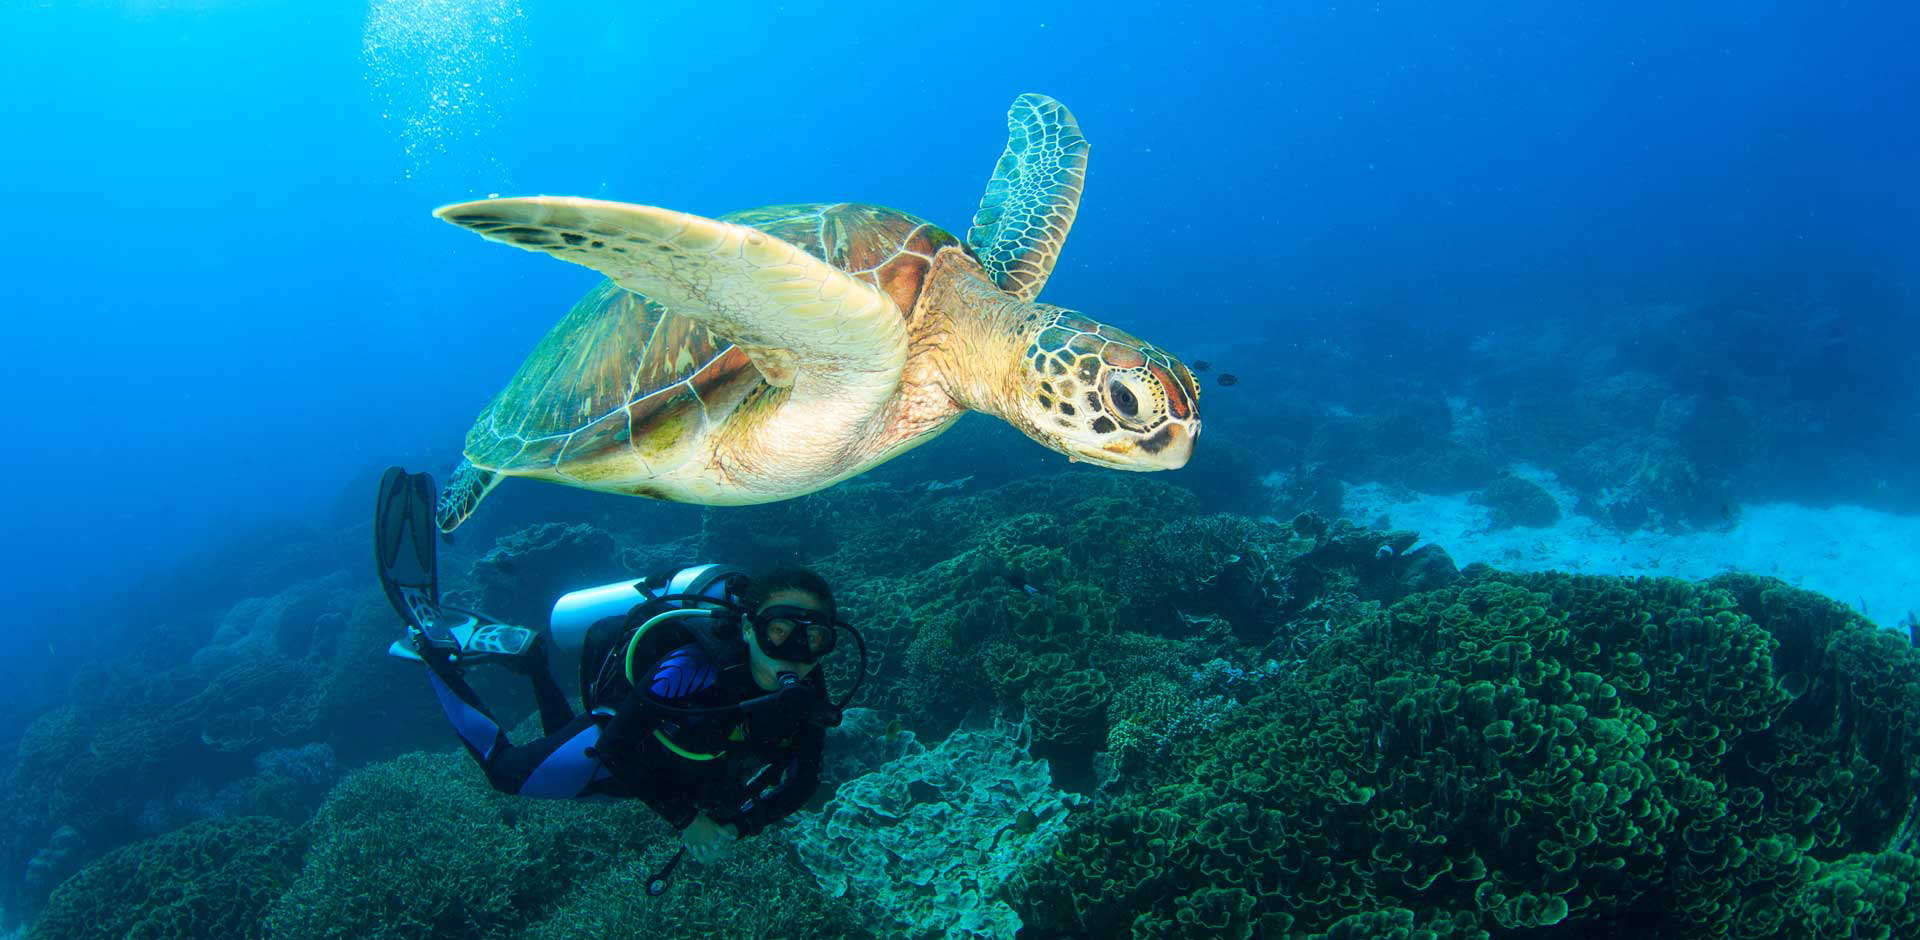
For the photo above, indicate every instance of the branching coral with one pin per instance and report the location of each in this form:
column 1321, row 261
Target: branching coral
column 420, row 846
column 210, row 879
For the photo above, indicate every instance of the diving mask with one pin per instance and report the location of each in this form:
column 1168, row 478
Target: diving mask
column 795, row 634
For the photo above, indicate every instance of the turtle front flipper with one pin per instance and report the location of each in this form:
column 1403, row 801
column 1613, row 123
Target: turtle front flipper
column 796, row 317
column 464, row 491
column 1033, row 196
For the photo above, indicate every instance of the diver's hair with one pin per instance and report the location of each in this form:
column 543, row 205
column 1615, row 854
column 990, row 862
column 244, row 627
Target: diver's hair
column 762, row 585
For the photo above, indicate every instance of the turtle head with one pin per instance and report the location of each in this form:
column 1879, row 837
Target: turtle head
column 1100, row 395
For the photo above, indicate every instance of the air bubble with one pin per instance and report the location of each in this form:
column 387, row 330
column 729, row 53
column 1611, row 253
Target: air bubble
column 438, row 69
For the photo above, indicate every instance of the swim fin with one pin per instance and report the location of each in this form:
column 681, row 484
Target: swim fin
column 463, row 638
column 405, row 555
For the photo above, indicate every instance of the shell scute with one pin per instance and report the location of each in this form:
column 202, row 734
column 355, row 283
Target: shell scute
column 1121, row 356
column 902, row 278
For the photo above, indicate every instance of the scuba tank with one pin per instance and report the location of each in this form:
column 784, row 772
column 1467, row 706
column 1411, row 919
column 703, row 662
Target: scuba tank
column 575, row 613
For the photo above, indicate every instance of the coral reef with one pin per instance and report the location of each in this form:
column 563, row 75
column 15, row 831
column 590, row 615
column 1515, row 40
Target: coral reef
column 421, row 847
column 210, row 879
column 756, row 893
column 1516, row 501
column 1870, row 895
column 56, row 860
column 1551, row 754
column 1054, row 593
column 1246, row 727
column 95, row 767
column 931, row 840
column 173, row 732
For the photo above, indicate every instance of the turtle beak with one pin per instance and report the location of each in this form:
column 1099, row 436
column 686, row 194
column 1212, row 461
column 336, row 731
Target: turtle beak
column 1166, row 449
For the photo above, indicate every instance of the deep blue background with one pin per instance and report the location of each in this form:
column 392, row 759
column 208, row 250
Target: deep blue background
column 226, row 304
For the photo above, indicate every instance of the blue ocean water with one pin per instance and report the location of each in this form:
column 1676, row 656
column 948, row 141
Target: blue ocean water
column 227, row 305
column 240, row 303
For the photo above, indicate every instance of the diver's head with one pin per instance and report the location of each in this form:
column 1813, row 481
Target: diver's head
column 789, row 623
column 1099, row 394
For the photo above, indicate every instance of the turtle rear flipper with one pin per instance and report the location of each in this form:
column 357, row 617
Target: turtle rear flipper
column 794, row 316
column 1033, row 197
column 469, row 486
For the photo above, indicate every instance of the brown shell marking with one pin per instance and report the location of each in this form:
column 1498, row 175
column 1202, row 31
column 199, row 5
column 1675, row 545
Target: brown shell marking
column 884, row 247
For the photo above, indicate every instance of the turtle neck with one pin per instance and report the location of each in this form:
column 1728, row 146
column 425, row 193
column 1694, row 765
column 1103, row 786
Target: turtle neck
column 966, row 341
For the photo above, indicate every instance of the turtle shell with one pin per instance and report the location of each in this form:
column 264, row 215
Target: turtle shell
column 622, row 378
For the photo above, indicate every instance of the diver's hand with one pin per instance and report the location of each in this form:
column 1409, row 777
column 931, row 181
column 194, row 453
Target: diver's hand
column 707, row 840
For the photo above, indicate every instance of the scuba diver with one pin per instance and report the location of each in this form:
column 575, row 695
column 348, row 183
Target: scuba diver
column 699, row 688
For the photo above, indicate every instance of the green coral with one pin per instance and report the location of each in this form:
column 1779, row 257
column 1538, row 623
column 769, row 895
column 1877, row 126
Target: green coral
column 1872, row 896
column 1068, row 708
column 1014, row 587
column 210, row 879
column 755, row 893
column 1537, row 753
column 420, row 846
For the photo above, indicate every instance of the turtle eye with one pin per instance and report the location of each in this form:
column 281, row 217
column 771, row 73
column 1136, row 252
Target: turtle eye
column 1123, row 398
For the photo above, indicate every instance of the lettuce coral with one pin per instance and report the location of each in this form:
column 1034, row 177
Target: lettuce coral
column 1548, row 754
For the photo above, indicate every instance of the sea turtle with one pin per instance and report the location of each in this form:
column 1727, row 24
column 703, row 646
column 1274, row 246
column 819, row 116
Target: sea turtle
column 778, row 351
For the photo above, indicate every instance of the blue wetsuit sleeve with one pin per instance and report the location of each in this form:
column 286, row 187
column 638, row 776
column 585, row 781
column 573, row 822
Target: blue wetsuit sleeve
column 676, row 678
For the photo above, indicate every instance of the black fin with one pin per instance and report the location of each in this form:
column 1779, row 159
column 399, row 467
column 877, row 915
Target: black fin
column 403, row 545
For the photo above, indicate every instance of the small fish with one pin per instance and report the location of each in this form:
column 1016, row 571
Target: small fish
column 1018, row 579
column 1025, row 822
column 1228, row 378
column 1200, row 365
column 893, row 729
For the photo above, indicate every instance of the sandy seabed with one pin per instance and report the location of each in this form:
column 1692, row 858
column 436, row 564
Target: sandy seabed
column 1867, row 558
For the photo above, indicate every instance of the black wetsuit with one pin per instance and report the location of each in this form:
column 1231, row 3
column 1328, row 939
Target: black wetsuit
column 747, row 771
